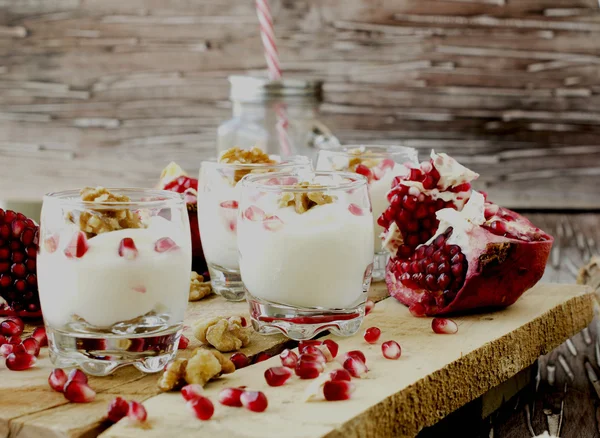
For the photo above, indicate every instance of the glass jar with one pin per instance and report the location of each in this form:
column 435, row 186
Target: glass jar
column 279, row 117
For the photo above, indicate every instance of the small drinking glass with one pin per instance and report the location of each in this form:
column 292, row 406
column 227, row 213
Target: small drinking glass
column 380, row 165
column 306, row 251
column 114, row 276
column 218, row 199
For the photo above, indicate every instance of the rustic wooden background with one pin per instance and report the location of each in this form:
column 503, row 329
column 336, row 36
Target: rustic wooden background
column 108, row 91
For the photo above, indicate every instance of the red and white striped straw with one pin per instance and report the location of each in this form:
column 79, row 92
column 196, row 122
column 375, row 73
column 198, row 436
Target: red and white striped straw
column 267, row 35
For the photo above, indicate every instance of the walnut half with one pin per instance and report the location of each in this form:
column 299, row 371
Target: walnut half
column 225, row 334
column 198, row 287
column 302, row 202
column 204, row 365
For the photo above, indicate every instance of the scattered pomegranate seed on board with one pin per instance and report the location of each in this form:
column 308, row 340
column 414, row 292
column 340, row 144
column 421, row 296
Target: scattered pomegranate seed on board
column 355, row 367
column 40, row 335
column 288, row 358
column 77, row 375
column 10, row 328
column 340, row 375
column 336, row 390
column 391, row 350
column 240, row 360
column 254, row 401
column 117, row 409
column 20, row 362
column 313, row 353
column 333, row 346
column 444, row 326
column 372, row 335
column 32, row 346
column 202, row 407
column 262, row 357
column 57, row 380
column 231, row 397
column 137, row 412
column 277, row 376
column 303, row 344
column 306, row 369
column 192, row 391
column 79, row 392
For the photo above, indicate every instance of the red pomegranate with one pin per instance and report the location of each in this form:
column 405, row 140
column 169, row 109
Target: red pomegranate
column 18, row 252
column 481, row 255
column 174, row 178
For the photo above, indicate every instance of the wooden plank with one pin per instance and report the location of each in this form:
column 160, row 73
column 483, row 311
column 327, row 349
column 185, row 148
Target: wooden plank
column 26, row 399
column 436, row 374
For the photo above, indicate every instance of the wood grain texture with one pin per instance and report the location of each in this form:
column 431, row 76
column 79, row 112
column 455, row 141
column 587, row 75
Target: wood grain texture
column 107, row 91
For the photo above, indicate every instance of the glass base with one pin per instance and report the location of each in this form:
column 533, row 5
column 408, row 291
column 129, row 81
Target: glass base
column 303, row 323
column 101, row 354
column 226, row 282
column 379, row 263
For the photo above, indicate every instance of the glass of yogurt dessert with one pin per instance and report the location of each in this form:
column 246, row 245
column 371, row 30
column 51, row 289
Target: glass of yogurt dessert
column 218, row 201
column 114, row 276
column 380, row 165
column 306, row 251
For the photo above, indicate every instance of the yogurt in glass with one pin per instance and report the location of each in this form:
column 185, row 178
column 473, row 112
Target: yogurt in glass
column 380, row 165
column 305, row 247
column 218, row 203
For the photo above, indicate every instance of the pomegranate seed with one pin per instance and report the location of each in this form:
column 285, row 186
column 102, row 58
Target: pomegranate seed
column 20, row 362
column 332, row 346
column 137, row 412
column 77, row 376
column 391, row 350
column 254, row 214
column 202, row 408
column 335, row 390
column 340, row 375
column 78, row 246
column 6, row 349
column 308, row 369
column 313, row 353
column 127, row 249
column 16, row 339
column 192, row 391
column 231, row 397
column 272, row 223
column 10, row 328
column 262, row 357
column 117, row 409
column 3, row 340
column 40, row 335
column 372, row 335
column 304, row 344
column 288, row 358
column 183, row 343
column 361, row 169
column 240, row 360
column 369, row 306
column 355, row 367
column 32, row 346
column 254, row 401
column 229, row 204
column 326, row 352
column 57, row 380
column 17, row 321
column 51, row 244
column 355, row 210
column 444, row 326
column 355, row 353
column 277, row 376
column 165, row 244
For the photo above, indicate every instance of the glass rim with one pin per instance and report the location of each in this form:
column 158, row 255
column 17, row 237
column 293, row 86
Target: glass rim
column 355, row 181
column 71, row 198
column 385, row 150
column 294, row 160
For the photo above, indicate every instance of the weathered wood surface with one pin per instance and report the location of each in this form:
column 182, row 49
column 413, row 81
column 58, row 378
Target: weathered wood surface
column 436, row 375
column 107, row 91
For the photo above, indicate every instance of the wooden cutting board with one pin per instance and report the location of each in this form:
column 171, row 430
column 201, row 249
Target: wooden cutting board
column 435, row 375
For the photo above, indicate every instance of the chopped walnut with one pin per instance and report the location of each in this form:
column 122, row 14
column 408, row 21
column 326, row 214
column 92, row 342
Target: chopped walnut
column 361, row 156
column 198, row 287
column 104, row 220
column 225, row 334
column 244, row 156
column 174, row 375
column 304, row 201
column 204, row 365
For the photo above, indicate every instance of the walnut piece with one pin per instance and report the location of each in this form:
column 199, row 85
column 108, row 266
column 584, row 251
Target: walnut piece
column 104, row 220
column 304, row 201
column 361, row 156
column 198, row 287
column 174, row 375
column 225, row 334
column 244, row 156
column 204, row 365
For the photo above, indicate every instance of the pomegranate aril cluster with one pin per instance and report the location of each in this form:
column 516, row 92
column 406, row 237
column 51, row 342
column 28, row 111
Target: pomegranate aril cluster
column 254, row 401
column 18, row 253
column 74, row 386
column 439, row 268
column 20, row 354
column 120, row 408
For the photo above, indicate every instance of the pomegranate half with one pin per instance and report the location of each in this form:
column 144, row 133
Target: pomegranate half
column 174, row 179
column 484, row 256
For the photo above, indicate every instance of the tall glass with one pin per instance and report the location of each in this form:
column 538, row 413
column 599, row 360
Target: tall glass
column 218, row 200
column 114, row 278
column 380, row 165
column 306, row 252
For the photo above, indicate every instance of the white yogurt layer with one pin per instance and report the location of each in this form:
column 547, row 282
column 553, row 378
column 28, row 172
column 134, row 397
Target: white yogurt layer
column 378, row 190
column 103, row 288
column 217, row 220
column 315, row 259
